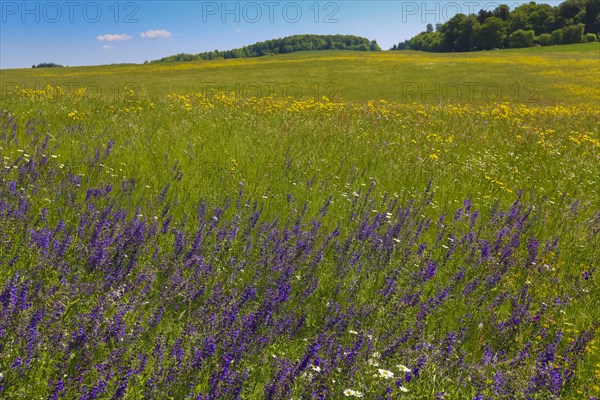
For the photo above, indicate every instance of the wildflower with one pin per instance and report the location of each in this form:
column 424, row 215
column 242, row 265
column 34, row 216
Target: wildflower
column 373, row 363
column 403, row 368
column 384, row 373
column 403, row 389
column 315, row 368
column 350, row 392
column 433, row 157
column 353, row 332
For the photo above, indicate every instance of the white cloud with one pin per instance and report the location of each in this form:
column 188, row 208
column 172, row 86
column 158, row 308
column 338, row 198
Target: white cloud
column 113, row 38
column 156, row 34
column 238, row 30
column 107, row 47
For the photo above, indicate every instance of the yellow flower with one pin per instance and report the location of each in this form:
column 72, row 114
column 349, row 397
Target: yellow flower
column 433, row 157
column 75, row 116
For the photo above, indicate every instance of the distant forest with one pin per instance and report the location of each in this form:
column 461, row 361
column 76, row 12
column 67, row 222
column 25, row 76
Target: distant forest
column 47, row 65
column 284, row 45
column 573, row 21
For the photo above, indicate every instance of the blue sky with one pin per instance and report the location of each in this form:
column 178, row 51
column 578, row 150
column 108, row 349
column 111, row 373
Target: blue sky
column 77, row 33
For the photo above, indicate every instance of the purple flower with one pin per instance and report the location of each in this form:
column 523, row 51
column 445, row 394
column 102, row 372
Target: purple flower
column 109, row 147
column 429, row 271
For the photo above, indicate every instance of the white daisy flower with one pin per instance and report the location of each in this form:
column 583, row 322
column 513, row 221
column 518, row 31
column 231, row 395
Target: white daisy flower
column 384, row 373
column 373, row 363
column 350, row 392
column 403, row 368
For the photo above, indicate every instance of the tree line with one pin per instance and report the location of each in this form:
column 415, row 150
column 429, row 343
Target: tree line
column 47, row 65
column 573, row 21
column 284, row 45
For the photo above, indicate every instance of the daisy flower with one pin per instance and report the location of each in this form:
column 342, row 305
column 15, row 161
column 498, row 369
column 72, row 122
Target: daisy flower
column 384, row 373
column 403, row 368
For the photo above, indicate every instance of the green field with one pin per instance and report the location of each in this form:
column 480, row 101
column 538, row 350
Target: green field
column 545, row 75
column 442, row 208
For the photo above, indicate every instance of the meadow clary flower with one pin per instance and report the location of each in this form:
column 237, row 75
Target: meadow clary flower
column 384, row 373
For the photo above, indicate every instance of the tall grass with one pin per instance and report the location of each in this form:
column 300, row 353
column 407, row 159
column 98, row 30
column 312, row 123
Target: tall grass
column 218, row 246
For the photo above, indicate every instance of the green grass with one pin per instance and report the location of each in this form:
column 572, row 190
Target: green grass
column 286, row 153
column 533, row 76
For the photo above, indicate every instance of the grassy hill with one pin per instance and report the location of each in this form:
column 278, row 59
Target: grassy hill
column 549, row 75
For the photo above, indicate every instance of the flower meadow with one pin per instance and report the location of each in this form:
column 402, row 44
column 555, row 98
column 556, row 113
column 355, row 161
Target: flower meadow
column 220, row 247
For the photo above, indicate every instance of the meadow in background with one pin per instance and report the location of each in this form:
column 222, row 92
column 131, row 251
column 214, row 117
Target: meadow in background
column 164, row 238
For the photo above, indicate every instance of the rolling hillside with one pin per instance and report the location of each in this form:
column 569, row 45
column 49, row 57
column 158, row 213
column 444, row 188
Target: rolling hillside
column 547, row 75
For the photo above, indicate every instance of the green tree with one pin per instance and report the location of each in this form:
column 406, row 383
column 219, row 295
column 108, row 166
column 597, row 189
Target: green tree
column 557, row 36
column 451, row 32
column 573, row 33
column 426, row 41
column 592, row 16
column 469, row 32
column 539, row 17
column 483, row 15
column 374, row 46
column 492, row 33
column 521, row 38
column 502, row 12
column 545, row 39
column 519, row 20
column 569, row 9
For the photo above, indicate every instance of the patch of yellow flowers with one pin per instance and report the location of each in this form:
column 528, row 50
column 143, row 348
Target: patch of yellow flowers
column 523, row 119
